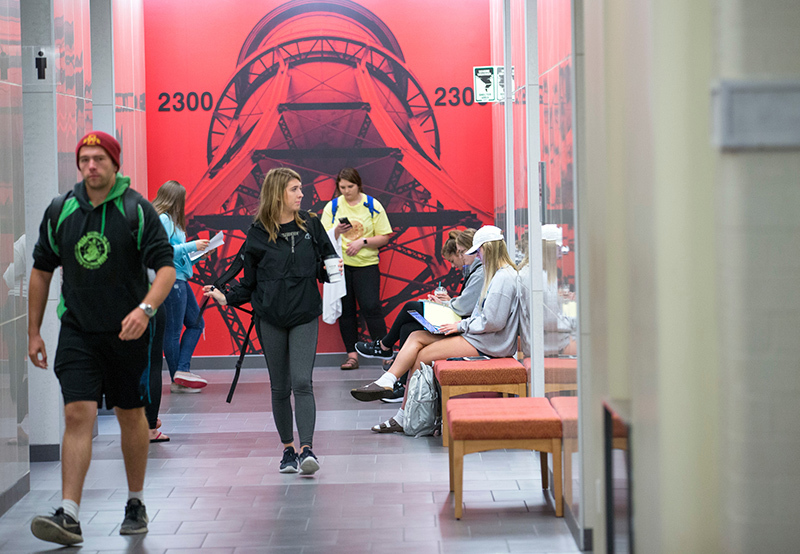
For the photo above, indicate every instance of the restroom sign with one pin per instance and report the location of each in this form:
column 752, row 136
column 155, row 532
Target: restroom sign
column 485, row 83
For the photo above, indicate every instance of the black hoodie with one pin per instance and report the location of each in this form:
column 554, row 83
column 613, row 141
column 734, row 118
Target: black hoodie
column 280, row 276
column 103, row 266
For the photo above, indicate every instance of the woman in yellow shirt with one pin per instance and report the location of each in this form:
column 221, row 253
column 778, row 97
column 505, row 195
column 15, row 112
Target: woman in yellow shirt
column 363, row 226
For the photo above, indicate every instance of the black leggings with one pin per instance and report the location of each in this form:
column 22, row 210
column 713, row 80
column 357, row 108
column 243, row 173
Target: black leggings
column 364, row 285
column 403, row 326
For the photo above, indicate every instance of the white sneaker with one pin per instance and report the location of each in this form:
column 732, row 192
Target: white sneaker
column 190, row 380
column 175, row 387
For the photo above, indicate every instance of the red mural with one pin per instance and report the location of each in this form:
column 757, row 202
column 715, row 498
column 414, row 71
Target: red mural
column 555, row 105
column 317, row 86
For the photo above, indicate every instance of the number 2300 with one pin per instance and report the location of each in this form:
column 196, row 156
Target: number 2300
column 191, row 101
column 456, row 96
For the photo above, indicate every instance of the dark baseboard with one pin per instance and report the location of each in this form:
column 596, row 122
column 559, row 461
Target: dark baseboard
column 45, row 452
column 15, row 493
column 583, row 537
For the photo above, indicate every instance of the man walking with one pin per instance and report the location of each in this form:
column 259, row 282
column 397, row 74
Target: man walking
column 104, row 235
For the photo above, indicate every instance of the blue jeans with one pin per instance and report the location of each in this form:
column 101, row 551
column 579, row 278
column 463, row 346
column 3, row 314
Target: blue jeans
column 182, row 311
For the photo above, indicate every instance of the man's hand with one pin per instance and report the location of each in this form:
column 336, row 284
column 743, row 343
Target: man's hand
column 37, row 352
column 134, row 324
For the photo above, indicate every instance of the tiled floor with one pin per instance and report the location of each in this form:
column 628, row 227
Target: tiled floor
column 215, row 488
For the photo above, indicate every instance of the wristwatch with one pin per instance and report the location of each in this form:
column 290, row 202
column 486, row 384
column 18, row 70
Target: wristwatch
column 147, row 309
column 365, row 242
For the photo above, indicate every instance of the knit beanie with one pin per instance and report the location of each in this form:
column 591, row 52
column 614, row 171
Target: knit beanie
column 103, row 140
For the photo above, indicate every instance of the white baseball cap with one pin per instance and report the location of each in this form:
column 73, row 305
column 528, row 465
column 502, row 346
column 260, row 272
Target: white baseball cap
column 487, row 233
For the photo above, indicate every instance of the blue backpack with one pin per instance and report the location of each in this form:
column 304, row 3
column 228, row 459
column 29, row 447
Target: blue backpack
column 370, row 204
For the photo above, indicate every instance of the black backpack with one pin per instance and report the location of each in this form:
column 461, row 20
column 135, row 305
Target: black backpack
column 130, row 205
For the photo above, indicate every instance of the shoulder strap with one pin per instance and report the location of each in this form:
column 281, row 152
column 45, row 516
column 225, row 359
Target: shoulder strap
column 370, row 204
column 53, row 213
column 306, row 217
column 134, row 214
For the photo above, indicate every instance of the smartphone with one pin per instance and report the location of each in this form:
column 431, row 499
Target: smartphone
column 344, row 220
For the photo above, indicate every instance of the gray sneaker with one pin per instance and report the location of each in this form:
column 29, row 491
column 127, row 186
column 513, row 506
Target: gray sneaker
column 59, row 528
column 135, row 522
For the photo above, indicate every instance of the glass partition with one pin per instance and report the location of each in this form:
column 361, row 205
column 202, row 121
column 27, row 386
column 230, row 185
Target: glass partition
column 541, row 58
column 557, row 211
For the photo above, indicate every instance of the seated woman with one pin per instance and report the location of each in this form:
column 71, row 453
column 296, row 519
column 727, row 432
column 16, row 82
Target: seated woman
column 491, row 330
column 454, row 251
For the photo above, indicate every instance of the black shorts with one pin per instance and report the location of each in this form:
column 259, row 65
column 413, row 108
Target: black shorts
column 92, row 365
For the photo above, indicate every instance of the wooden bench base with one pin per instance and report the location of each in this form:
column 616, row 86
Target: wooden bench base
column 460, row 448
column 483, row 424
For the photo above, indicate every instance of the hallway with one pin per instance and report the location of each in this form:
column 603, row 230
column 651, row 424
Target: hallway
column 215, row 487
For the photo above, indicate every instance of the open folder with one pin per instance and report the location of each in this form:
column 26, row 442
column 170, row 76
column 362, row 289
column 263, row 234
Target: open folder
column 438, row 314
column 434, row 316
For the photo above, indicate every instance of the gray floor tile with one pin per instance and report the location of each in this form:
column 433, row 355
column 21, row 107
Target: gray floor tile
column 215, row 487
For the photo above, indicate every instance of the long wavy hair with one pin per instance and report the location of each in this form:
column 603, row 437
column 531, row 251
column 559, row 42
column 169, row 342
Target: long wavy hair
column 495, row 257
column 270, row 200
column 171, row 200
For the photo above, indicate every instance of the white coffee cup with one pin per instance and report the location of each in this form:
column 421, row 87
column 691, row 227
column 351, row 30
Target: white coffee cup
column 332, row 267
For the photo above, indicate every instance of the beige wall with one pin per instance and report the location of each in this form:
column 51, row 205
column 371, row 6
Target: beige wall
column 648, row 214
column 692, row 271
column 758, row 234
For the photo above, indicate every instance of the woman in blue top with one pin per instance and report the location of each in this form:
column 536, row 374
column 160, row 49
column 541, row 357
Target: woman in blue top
column 181, row 305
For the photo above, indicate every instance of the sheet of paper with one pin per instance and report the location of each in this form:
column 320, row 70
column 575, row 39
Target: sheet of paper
column 438, row 314
column 215, row 242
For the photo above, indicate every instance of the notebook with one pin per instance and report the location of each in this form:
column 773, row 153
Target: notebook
column 438, row 314
column 430, row 327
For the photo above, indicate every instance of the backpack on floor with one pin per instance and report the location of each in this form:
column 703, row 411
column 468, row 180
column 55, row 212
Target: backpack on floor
column 422, row 411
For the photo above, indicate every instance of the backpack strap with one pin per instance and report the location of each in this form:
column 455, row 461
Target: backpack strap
column 370, row 204
column 53, row 214
column 306, row 217
column 129, row 205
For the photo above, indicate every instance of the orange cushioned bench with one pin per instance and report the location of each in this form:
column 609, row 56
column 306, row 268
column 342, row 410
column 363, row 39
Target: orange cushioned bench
column 481, row 424
column 458, row 377
column 560, row 374
column 567, row 409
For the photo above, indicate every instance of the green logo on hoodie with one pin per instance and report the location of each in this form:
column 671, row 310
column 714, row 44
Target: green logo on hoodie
column 92, row 250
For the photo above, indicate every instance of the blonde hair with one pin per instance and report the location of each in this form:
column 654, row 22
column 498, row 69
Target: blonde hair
column 495, row 257
column 550, row 260
column 171, row 200
column 270, row 200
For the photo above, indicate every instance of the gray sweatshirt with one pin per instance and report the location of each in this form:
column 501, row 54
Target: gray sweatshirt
column 464, row 303
column 493, row 326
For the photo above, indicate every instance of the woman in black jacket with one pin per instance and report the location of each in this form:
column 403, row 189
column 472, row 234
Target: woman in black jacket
column 281, row 267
